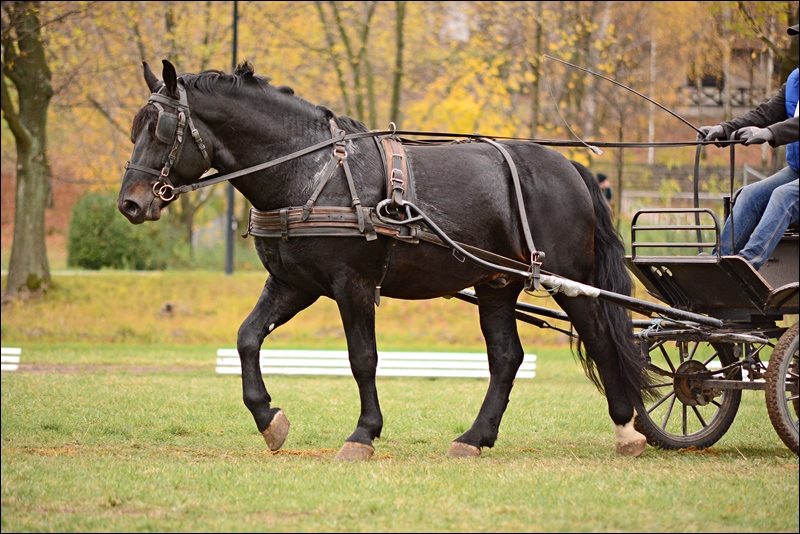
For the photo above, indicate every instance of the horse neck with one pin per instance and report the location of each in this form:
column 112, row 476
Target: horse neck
column 263, row 133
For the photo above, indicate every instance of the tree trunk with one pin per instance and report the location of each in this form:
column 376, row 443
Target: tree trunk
column 535, row 64
column 726, row 64
column 651, row 110
column 25, row 65
column 592, row 55
column 617, row 208
column 397, row 74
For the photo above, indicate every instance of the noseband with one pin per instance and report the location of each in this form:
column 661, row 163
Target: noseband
column 171, row 130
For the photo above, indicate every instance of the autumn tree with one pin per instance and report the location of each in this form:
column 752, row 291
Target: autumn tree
column 25, row 111
column 397, row 74
column 110, row 89
column 438, row 66
column 214, row 29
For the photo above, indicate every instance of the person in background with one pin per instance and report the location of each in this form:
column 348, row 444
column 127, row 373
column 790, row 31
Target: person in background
column 605, row 185
column 764, row 210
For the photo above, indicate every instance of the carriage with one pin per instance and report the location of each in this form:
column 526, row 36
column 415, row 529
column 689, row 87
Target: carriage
column 351, row 214
column 704, row 366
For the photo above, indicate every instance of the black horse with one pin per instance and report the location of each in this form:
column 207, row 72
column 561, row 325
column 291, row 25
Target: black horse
column 327, row 222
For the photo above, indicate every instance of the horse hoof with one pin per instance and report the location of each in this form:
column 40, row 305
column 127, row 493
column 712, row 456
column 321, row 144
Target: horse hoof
column 275, row 434
column 463, row 450
column 355, row 452
column 630, row 442
column 633, row 448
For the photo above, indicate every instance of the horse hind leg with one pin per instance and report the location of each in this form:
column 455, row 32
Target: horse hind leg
column 496, row 308
column 612, row 367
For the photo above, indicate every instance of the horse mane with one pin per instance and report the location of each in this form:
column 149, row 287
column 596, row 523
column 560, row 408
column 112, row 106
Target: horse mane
column 210, row 81
column 244, row 78
column 349, row 124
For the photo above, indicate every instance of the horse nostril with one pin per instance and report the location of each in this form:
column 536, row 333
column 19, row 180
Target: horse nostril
column 130, row 208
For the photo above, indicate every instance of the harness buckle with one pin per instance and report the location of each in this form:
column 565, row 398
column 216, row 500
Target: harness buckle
column 395, row 180
column 340, row 150
column 535, row 271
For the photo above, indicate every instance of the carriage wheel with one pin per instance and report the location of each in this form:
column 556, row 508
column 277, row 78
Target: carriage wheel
column 781, row 392
column 685, row 414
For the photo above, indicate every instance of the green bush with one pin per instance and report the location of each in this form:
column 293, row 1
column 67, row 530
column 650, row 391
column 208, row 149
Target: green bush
column 100, row 237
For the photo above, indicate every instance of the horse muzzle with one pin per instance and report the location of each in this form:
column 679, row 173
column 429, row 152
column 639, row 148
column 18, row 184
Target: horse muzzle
column 138, row 210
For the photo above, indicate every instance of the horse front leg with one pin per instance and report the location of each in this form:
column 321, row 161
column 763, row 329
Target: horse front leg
column 277, row 304
column 356, row 307
column 499, row 327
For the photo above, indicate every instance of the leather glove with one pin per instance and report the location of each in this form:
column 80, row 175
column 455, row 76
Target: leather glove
column 711, row 133
column 753, row 135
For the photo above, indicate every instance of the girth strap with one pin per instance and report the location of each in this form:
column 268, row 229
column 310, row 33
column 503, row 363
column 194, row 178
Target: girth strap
column 336, row 221
column 319, row 221
column 314, row 221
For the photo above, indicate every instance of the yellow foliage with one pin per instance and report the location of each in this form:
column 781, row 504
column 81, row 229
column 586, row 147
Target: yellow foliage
column 466, row 66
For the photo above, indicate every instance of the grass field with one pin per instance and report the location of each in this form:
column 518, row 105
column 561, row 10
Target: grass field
column 117, row 422
column 197, row 307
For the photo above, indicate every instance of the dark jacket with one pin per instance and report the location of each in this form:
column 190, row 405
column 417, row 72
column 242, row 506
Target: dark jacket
column 775, row 115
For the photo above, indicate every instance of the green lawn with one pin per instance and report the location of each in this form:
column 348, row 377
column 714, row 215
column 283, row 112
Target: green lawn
column 117, row 422
column 149, row 438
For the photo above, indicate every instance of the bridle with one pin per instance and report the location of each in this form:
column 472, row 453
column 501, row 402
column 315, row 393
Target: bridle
column 171, row 130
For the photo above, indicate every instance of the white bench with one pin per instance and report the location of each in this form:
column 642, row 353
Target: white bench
column 10, row 359
column 335, row 362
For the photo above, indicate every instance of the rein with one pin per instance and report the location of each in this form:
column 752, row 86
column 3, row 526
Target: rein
column 215, row 177
column 181, row 120
column 385, row 218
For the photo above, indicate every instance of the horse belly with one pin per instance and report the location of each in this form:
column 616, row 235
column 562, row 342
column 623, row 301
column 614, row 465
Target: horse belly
column 425, row 271
column 314, row 264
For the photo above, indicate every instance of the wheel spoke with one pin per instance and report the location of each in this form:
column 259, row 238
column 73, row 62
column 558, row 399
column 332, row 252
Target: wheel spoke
column 684, row 419
column 667, row 359
column 712, row 358
column 781, row 388
column 659, row 385
column 699, row 416
column 661, row 401
column 668, row 413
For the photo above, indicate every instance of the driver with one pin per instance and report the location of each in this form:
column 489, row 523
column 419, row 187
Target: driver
column 763, row 210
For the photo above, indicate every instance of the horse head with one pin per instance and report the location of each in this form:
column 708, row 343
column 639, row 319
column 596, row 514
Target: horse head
column 168, row 150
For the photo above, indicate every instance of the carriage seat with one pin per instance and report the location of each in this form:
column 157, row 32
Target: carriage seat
column 726, row 287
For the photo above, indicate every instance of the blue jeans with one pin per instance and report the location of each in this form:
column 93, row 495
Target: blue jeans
column 761, row 214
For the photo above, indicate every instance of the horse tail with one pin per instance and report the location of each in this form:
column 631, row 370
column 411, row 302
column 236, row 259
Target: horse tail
column 610, row 273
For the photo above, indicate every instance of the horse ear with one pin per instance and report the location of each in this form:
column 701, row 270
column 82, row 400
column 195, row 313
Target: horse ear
column 170, row 78
column 149, row 77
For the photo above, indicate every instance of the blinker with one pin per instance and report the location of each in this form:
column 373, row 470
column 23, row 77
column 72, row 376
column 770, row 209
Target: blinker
column 166, row 127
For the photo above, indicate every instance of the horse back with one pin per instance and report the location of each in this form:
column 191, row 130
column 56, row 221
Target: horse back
column 469, row 191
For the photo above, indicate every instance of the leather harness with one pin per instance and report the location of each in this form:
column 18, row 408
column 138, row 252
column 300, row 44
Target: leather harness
column 396, row 216
column 388, row 218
